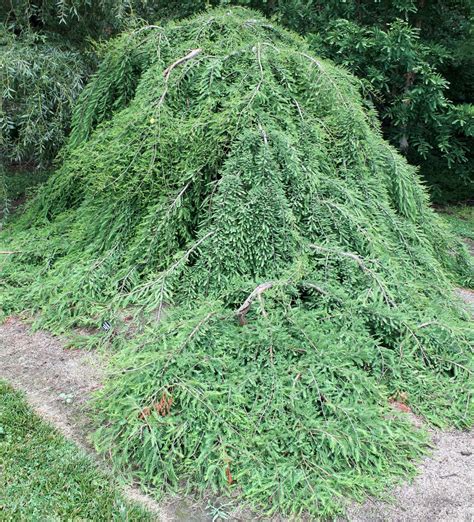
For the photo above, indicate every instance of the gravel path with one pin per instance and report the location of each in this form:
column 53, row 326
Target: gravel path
column 58, row 383
column 467, row 296
column 443, row 491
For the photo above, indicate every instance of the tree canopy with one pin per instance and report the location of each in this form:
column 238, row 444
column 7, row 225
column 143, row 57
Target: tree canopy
column 40, row 82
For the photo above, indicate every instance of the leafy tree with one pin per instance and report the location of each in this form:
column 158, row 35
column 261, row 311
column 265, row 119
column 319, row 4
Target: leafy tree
column 46, row 58
column 416, row 61
column 40, row 80
column 401, row 76
column 73, row 20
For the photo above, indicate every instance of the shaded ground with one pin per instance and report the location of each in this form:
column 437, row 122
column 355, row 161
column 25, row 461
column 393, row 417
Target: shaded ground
column 470, row 245
column 58, row 382
column 467, row 296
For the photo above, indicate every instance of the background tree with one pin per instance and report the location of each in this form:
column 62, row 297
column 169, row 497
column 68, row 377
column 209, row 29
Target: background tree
column 416, row 61
column 40, row 80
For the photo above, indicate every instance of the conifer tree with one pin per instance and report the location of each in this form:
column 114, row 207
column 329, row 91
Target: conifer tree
column 287, row 278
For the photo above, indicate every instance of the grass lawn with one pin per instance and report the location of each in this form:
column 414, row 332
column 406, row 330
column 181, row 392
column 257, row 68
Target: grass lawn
column 461, row 218
column 43, row 476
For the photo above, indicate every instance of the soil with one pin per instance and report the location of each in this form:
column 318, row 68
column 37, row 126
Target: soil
column 470, row 245
column 467, row 296
column 58, row 383
column 443, row 491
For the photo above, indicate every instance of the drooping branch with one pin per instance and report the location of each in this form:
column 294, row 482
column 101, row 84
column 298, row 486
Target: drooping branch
column 362, row 266
column 191, row 54
column 242, row 311
column 256, row 294
column 167, row 71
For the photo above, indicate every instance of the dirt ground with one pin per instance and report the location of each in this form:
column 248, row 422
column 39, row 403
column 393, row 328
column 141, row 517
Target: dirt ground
column 443, row 491
column 467, row 296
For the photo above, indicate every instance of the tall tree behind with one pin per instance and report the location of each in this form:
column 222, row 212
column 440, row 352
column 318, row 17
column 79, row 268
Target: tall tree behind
column 46, row 56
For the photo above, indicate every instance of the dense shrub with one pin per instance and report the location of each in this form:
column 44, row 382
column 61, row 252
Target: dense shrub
column 226, row 180
column 415, row 58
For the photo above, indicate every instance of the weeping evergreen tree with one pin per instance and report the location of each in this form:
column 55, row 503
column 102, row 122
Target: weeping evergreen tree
column 229, row 189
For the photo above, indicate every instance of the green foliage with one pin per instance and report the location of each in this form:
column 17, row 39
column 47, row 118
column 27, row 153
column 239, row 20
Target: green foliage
column 19, row 183
column 15, row 186
column 39, row 83
column 415, row 59
column 454, row 184
column 45, row 477
column 407, row 66
column 73, row 20
column 403, row 84
column 416, row 63
column 190, row 182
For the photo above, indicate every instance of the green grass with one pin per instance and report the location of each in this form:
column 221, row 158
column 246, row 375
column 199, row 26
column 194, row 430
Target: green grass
column 461, row 219
column 45, row 477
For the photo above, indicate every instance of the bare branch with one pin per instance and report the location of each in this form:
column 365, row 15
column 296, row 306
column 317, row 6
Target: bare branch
column 245, row 307
column 192, row 54
column 315, row 287
column 167, row 71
